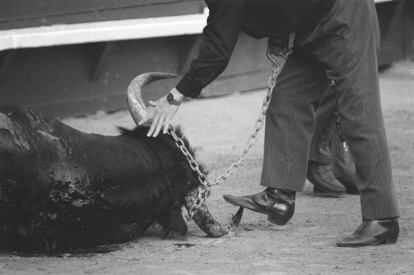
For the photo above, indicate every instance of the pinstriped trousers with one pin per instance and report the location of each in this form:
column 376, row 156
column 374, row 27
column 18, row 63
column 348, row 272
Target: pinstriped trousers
column 322, row 148
column 341, row 50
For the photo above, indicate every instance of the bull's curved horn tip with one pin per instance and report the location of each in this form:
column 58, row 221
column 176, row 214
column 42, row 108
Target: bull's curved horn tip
column 136, row 104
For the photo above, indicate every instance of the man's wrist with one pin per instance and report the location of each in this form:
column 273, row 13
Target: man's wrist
column 178, row 97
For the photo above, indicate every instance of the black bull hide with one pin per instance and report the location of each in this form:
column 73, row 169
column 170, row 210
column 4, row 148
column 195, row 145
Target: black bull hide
column 62, row 189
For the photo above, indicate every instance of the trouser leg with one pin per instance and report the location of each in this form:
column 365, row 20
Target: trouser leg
column 327, row 147
column 321, row 145
column 347, row 47
column 364, row 131
column 290, row 122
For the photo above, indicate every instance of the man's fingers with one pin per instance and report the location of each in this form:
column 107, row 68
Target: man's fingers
column 153, row 125
column 167, row 124
column 161, row 115
column 160, row 123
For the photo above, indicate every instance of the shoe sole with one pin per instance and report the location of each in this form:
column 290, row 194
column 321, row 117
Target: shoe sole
column 388, row 240
column 245, row 204
column 321, row 191
column 271, row 217
column 324, row 194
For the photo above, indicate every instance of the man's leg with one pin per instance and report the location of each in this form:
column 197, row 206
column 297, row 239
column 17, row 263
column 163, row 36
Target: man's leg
column 347, row 46
column 320, row 170
column 290, row 122
column 343, row 164
column 321, row 145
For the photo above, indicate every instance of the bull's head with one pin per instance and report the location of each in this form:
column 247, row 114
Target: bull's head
column 139, row 112
column 136, row 105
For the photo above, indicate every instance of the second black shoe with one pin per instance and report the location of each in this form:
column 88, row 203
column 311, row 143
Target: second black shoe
column 278, row 205
column 324, row 182
column 373, row 232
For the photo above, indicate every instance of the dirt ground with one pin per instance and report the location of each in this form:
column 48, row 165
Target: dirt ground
column 218, row 129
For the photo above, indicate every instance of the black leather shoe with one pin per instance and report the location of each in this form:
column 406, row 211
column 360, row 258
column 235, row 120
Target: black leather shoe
column 278, row 205
column 324, row 182
column 372, row 232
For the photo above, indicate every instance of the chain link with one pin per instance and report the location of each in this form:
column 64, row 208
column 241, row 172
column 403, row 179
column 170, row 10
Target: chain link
column 203, row 190
column 278, row 58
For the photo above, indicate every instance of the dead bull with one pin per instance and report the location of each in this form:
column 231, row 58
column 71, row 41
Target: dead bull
column 62, row 189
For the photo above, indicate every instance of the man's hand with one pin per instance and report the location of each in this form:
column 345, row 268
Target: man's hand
column 162, row 114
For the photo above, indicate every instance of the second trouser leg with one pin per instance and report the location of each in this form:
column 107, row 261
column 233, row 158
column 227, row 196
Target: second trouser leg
column 290, row 122
column 321, row 146
column 347, row 45
column 343, row 165
column 327, row 155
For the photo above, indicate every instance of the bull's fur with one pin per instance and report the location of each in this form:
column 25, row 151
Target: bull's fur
column 62, row 189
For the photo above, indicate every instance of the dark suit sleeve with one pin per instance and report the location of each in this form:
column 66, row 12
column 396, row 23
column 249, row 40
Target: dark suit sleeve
column 218, row 40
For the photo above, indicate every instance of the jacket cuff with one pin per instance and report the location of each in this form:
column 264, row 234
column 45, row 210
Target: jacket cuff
column 188, row 87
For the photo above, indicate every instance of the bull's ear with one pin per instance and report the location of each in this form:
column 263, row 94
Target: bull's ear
column 174, row 221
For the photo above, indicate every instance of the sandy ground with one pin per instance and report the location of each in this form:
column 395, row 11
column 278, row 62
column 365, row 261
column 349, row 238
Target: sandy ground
column 218, row 129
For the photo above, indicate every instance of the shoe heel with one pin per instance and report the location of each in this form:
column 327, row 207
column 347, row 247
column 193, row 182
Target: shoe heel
column 390, row 240
column 276, row 219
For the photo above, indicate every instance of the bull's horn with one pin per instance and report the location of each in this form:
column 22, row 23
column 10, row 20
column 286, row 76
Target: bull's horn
column 136, row 104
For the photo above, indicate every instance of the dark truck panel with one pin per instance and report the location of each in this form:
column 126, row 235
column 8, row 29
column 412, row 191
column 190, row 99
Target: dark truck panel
column 34, row 13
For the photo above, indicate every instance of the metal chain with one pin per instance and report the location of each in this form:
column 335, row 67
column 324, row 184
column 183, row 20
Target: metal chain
column 278, row 58
column 203, row 190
